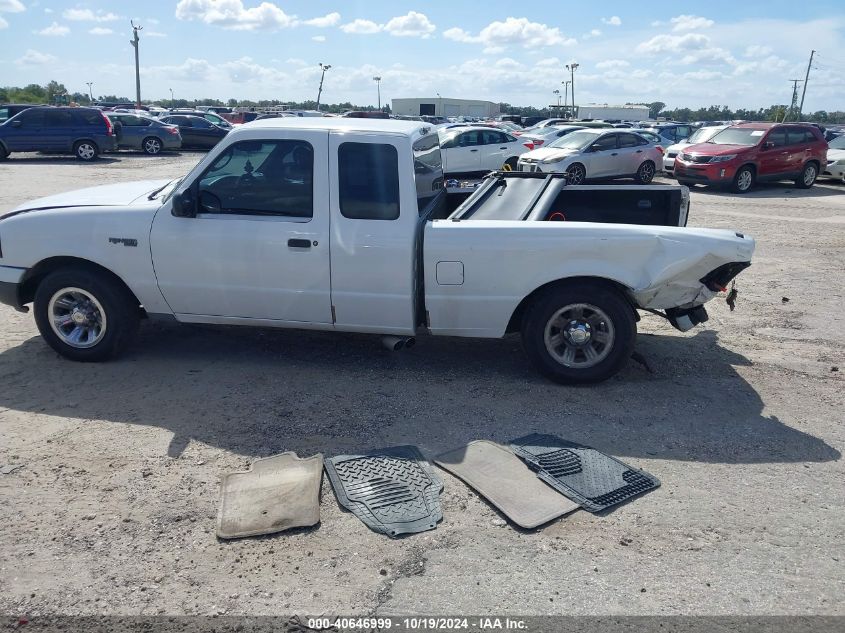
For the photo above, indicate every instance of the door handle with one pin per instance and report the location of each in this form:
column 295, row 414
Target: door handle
column 639, row 151
column 295, row 243
column 473, row 150
column 615, row 154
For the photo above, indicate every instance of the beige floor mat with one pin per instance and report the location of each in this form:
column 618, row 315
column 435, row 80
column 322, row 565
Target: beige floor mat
column 505, row 481
column 277, row 493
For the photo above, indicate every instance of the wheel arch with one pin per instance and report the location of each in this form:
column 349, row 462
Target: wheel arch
column 35, row 275
column 515, row 322
column 83, row 140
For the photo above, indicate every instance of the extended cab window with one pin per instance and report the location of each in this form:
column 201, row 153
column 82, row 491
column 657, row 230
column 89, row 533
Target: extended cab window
column 369, row 181
column 260, row 178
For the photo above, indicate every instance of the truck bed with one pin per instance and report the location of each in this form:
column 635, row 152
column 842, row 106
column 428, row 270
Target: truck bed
column 547, row 197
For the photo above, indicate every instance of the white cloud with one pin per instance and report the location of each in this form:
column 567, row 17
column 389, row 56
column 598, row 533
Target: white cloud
column 690, row 23
column 411, row 25
column 155, row 34
column 592, row 33
column 35, row 58
column 150, row 21
column 549, row 61
column 361, row 27
column 508, row 63
column 757, row 51
column 512, row 32
column 3, row 23
column 11, row 6
column 48, row 10
column 613, row 20
column 332, row 19
column 54, row 30
column 319, row 38
column 231, row 14
column 99, row 30
column 673, row 43
column 612, row 63
column 87, row 15
column 296, row 61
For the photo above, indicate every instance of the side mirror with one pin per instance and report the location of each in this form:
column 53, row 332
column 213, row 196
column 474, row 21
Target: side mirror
column 768, row 145
column 185, row 204
column 17, row 123
column 595, row 148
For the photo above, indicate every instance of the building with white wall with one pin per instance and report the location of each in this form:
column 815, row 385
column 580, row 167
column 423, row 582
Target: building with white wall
column 444, row 106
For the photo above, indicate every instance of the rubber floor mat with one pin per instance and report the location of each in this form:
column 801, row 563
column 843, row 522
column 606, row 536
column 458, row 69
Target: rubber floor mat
column 276, row 493
column 592, row 479
column 500, row 477
column 392, row 490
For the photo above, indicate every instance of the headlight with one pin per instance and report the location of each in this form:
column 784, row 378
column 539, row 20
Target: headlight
column 722, row 159
column 841, row 161
column 549, row 161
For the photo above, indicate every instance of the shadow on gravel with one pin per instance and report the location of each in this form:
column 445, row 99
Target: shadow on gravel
column 261, row 392
column 773, row 190
column 48, row 159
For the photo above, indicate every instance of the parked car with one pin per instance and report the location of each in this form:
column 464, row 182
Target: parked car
column 743, row 154
column 366, row 114
column 596, row 153
column 346, row 251
column 478, row 150
column 835, row 167
column 196, row 131
column 701, row 135
column 239, row 118
column 8, row 110
column 545, row 135
column 211, row 117
column 672, row 132
column 83, row 132
column 144, row 133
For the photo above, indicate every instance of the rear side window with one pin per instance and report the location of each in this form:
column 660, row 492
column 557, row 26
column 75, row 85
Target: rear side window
column 798, row 136
column 4, row 114
column 89, row 117
column 200, row 123
column 369, row 181
column 777, row 137
column 628, row 140
column 58, row 118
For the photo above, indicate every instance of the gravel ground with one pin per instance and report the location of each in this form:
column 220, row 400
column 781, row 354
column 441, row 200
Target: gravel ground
column 112, row 510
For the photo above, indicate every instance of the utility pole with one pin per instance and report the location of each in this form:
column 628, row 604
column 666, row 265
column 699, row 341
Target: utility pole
column 566, row 93
column 557, row 92
column 440, row 100
column 378, row 87
column 572, row 68
column 90, row 94
column 324, row 68
column 134, row 42
column 794, row 101
column 171, row 98
column 804, row 91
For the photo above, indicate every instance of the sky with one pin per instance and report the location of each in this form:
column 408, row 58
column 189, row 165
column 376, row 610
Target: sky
column 739, row 54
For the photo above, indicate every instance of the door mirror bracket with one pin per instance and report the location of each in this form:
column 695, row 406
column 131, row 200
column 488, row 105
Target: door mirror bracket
column 185, row 204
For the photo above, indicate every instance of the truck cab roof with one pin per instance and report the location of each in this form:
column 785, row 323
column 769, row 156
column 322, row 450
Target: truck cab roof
column 341, row 124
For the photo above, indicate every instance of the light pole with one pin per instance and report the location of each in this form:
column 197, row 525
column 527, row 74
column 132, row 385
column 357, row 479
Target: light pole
column 440, row 100
column 171, row 97
column 572, row 68
column 566, row 92
column 378, row 87
column 90, row 94
column 134, row 42
column 324, row 68
column 557, row 92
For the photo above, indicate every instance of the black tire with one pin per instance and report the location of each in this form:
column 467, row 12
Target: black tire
column 743, row 179
column 612, row 315
column 3, row 153
column 86, row 150
column 645, row 173
column 808, row 176
column 152, row 145
column 577, row 174
column 686, row 183
column 511, row 163
column 121, row 310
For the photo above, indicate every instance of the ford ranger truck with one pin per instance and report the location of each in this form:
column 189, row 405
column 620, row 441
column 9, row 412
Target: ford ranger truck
column 344, row 225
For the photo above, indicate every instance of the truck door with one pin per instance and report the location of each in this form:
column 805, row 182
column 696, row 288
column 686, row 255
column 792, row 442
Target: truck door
column 374, row 222
column 258, row 247
column 773, row 153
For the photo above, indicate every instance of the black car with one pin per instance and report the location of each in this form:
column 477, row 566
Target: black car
column 84, row 132
column 211, row 117
column 8, row 110
column 196, row 131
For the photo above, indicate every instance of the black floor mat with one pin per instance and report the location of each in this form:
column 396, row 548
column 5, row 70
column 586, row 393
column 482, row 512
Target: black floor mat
column 392, row 490
column 594, row 480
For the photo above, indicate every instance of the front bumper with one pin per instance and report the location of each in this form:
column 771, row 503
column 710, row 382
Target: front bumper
column 10, row 279
column 709, row 174
column 834, row 171
column 669, row 162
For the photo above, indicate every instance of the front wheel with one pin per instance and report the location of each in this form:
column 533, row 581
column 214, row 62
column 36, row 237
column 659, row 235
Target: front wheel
column 151, row 145
column 510, row 164
column 807, row 177
column 85, row 150
column 743, row 180
column 85, row 315
column 645, row 174
column 579, row 333
column 576, row 174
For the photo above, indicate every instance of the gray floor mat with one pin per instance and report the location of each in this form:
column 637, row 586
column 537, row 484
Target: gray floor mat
column 503, row 479
column 276, row 493
column 392, row 490
column 594, row 480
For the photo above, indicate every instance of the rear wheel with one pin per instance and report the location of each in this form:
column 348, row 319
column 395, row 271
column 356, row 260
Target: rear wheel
column 645, row 174
column 807, row 177
column 151, row 145
column 576, row 174
column 3, row 153
column 744, row 179
column 686, row 183
column 85, row 315
column 579, row 333
column 85, row 150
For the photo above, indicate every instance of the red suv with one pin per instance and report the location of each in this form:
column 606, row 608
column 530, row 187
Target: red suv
column 743, row 154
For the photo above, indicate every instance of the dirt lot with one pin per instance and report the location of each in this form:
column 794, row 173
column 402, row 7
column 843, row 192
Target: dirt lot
column 113, row 508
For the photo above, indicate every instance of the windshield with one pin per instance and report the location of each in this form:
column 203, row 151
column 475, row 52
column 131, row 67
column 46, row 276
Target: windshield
column 702, row 134
column 576, row 140
column 738, row 136
column 837, row 143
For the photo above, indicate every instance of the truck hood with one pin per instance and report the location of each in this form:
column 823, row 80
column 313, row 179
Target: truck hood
column 551, row 153
column 122, row 194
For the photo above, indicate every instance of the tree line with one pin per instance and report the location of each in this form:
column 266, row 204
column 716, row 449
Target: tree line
column 56, row 93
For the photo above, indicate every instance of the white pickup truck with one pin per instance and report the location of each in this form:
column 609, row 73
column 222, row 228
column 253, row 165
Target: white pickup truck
column 342, row 224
